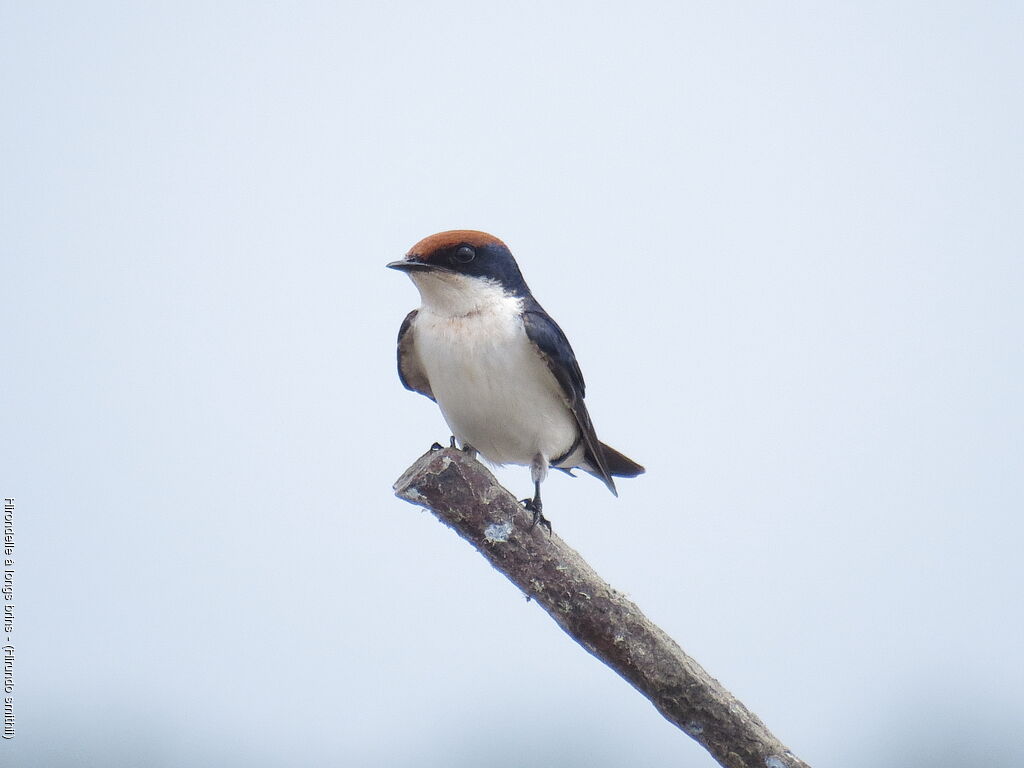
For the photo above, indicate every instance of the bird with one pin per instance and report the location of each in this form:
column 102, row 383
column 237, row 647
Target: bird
column 499, row 367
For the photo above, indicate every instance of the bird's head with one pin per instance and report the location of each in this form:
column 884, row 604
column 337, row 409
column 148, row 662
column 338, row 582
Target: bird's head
column 459, row 270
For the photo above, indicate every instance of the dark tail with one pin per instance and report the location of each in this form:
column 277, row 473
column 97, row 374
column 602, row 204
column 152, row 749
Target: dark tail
column 614, row 462
column 619, row 465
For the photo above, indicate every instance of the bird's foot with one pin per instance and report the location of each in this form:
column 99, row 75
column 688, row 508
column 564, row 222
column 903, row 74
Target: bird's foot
column 536, row 508
column 467, row 449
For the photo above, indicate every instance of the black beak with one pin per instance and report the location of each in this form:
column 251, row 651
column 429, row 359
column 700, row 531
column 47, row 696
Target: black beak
column 409, row 266
column 406, row 265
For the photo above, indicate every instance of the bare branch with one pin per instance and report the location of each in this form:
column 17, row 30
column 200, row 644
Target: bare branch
column 465, row 496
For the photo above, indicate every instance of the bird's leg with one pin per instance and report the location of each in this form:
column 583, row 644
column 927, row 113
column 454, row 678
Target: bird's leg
column 535, row 506
column 538, row 471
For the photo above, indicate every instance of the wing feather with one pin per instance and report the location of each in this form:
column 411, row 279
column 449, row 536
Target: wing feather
column 554, row 348
column 410, row 371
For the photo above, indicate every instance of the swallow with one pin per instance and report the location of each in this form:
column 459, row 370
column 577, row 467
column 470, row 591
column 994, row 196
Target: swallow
column 498, row 366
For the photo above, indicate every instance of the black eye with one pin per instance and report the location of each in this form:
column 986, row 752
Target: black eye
column 464, row 255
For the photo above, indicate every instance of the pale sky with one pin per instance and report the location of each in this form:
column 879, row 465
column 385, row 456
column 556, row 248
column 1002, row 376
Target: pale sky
column 784, row 239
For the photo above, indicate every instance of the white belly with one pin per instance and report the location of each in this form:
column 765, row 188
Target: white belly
column 494, row 390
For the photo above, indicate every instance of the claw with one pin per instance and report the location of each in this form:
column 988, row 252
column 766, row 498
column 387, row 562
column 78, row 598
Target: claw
column 467, row 449
column 535, row 507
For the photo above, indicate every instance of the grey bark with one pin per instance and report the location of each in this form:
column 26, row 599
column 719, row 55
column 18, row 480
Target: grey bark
column 465, row 496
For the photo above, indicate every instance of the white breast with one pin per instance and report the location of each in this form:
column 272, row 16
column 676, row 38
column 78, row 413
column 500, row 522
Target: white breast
column 494, row 389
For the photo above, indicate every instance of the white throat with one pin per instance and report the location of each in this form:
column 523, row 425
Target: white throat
column 452, row 295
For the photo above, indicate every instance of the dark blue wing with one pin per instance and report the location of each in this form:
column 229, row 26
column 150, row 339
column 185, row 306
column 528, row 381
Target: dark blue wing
column 557, row 353
column 549, row 339
column 410, row 372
